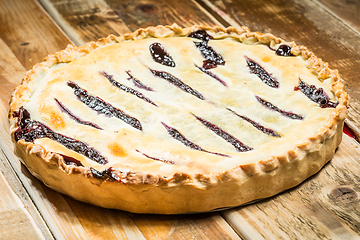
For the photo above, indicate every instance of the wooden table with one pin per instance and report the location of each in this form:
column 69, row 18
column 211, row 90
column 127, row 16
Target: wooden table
column 326, row 206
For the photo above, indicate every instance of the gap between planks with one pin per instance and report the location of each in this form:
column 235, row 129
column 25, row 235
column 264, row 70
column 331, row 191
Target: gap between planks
column 337, row 17
column 64, row 26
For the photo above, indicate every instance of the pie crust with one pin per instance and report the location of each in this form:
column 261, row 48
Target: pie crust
column 204, row 138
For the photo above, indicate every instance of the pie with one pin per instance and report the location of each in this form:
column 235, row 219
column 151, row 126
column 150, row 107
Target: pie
column 172, row 120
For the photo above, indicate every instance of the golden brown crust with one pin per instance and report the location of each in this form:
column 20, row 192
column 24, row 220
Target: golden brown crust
column 145, row 193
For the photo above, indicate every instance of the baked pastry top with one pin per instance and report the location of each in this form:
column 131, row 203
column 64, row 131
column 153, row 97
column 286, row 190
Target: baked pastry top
column 173, row 120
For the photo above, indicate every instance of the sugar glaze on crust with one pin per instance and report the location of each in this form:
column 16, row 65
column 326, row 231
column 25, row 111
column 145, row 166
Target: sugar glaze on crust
column 190, row 189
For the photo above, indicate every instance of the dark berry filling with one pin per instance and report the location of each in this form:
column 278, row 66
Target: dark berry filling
column 181, row 138
column 77, row 119
column 71, row 161
column 96, row 173
column 103, row 107
column 259, row 71
column 177, row 82
column 284, row 50
column 159, row 55
column 127, row 89
column 213, row 59
column 239, row 146
column 30, row 130
column 110, row 173
column 211, row 75
column 23, row 116
column 201, row 34
column 156, row 159
column 316, row 95
column 258, row 126
column 106, row 173
column 178, row 136
column 271, row 48
column 282, row 112
column 137, row 82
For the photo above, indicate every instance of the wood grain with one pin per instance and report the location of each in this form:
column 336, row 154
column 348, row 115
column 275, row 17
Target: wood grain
column 326, row 206
column 11, row 73
column 90, row 20
column 306, row 23
column 83, row 20
column 345, row 10
column 151, row 13
column 29, row 32
column 100, row 223
column 15, row 220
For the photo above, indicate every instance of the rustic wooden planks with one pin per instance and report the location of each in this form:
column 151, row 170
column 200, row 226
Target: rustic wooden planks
column 326, row 206
column 307, row 23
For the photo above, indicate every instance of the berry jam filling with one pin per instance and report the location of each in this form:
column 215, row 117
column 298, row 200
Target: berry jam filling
column 103, row 107
column 156, row 159
column 109, row 172
column 96, row 173
column 178, row 136
column 213, row 59
column 159, row 55
column 201, row 34
column 106, row 173
column 259, row 71
column 137, row 82
column 211, row 75
column 127, row 89
column 316, row 95
column 284, row 50
column 177, row 82
column 282, row 112
column 239, row 146
column 258, row 126
column 30, row 130
column 71, row 161
column 77, row 119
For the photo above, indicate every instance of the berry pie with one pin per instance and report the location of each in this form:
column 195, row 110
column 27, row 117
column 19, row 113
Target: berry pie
column 175, row 120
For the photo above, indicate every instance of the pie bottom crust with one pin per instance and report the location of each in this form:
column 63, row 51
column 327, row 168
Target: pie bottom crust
column 178, row 195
